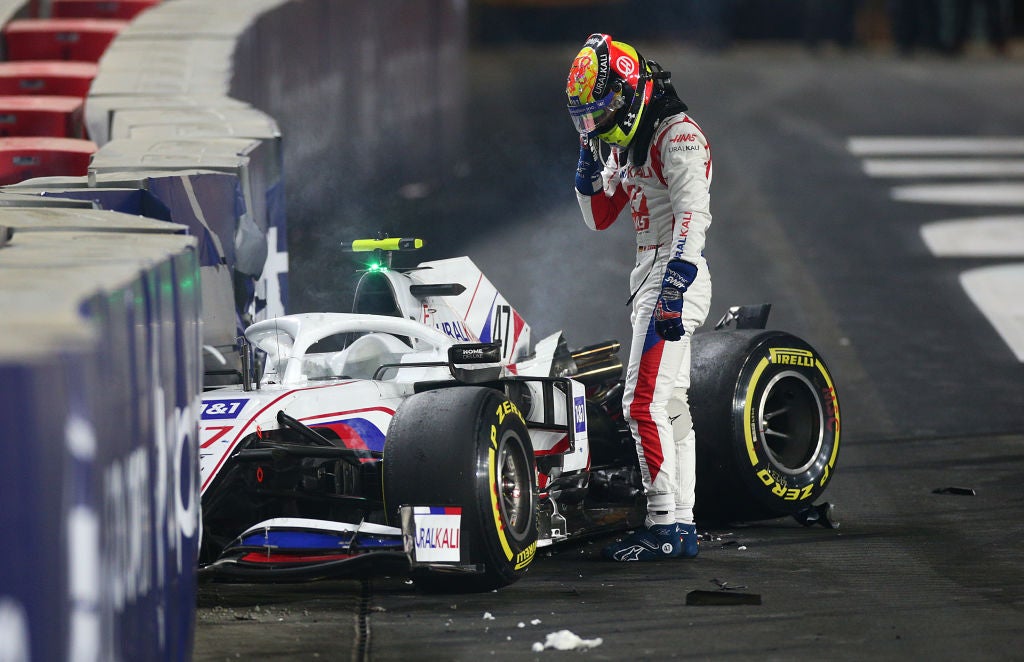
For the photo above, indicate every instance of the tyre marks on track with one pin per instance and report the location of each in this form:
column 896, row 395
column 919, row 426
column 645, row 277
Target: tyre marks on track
column 997, row 290
column 361, row 643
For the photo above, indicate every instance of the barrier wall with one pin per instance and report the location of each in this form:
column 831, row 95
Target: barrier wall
column 98, row 374
column 362, row 91
column 175, row 237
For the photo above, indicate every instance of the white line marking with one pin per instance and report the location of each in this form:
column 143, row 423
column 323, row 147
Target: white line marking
column 906, row 145
column 983, row 236
column 996, row 195
column 996, row 291
column 943, row 167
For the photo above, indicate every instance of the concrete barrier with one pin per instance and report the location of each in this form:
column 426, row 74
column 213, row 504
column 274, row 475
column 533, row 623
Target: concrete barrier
column 98, row 371
column 177, row 236
column 206, row 201
column 259, row 214
column 367, row 95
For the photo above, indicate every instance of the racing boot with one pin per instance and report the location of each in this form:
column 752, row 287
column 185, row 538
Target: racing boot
column 688, row 538
column 661, row 541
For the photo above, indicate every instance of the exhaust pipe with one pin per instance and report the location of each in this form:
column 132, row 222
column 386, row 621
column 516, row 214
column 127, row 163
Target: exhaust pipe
column 600, row 371
column 597, row 363
column 599, row 352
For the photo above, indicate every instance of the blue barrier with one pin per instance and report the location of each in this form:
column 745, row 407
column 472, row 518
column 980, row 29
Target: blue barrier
column 98, row 381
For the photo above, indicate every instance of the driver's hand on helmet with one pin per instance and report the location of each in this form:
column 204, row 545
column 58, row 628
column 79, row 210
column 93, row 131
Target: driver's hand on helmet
column 588, row 170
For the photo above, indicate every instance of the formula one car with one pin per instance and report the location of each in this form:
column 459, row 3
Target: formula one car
column 424, row 434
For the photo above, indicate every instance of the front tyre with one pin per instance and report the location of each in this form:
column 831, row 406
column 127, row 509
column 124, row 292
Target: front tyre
column 467, row 447
column 766, row 417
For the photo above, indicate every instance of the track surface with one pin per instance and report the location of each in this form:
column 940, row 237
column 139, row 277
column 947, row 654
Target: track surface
column 931, row 392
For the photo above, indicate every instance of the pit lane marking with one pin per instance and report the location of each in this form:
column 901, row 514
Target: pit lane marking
column 934, row 145
column 994, row 195
column 930, row 167
column 981, row 236
column 995, row 290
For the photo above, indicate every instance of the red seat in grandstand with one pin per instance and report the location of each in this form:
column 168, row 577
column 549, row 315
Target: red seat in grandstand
column 47, row 77
column 56, row 117
column 27, row 158
column 80, row 39
column 124, row 10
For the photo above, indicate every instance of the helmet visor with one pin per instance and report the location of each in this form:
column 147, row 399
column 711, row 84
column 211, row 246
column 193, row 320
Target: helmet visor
column 590, row 118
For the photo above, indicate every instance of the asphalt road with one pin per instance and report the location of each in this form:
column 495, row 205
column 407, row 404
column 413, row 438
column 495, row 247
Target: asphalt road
column 931, row 390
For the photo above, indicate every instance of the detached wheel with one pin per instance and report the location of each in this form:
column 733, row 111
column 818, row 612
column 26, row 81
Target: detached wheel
column 766, row 417
column 466, row 447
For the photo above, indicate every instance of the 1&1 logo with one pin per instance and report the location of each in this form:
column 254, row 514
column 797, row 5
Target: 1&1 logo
column 222, row 409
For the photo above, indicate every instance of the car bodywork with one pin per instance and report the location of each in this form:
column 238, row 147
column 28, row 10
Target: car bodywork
column 290, row 459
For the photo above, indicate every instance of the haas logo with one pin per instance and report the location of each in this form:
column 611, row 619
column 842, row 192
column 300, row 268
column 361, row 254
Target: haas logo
column 638, row 207
column 684, row 138
column 625, row 66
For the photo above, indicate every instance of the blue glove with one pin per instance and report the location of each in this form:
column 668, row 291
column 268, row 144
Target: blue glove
column 588, row 171
column 668, row 311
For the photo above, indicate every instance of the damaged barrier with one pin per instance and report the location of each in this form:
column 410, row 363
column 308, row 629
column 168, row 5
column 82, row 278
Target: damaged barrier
column 113, row 276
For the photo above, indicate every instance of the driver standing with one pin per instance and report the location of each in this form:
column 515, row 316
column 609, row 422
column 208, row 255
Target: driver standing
column 660, row 164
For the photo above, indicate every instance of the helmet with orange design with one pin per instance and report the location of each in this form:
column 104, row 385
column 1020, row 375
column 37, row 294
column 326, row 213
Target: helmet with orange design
column 609, row 86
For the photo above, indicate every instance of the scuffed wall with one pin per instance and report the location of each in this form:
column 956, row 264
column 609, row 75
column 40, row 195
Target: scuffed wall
column 370, row 101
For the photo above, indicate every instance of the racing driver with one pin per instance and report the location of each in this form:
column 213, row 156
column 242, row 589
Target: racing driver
column 659, row 163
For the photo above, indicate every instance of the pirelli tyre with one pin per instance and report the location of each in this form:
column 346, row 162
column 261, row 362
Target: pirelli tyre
column 766, row 418
column 466, row 448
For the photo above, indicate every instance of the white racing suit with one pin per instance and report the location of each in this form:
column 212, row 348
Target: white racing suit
column 670, row 202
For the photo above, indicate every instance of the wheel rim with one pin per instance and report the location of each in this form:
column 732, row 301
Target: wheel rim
column 515, row 489
column 791, row 422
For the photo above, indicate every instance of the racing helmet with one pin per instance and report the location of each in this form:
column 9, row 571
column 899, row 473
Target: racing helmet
column 609, row 86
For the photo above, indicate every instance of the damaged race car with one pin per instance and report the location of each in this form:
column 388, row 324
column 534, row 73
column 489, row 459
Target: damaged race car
column 425, row 434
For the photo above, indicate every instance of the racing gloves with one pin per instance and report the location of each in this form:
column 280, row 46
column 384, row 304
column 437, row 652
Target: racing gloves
column 588, row 171
column 668, row 311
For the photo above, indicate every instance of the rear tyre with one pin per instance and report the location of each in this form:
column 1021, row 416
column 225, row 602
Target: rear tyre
column 467, row 447
column 766, row 417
